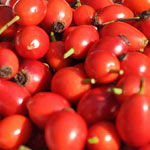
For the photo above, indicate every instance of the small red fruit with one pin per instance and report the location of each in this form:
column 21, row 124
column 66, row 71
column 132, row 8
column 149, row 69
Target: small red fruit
column 43, row 104
column 72, row 131
column 136, row 38
column 103, row 66
column 15, row 130
column 9, row 64
column 32, row 42
column 58, row 16
column 13, row 98
column 69, row 82
column 133, row 121
column 79, row 40
column 34, row 75
column 112, row 12
column 82, row 18
column 103, row 136
column 137, row 6
column 98, row 104
column 55, row 55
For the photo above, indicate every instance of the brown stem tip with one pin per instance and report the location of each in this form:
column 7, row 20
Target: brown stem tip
column 5, row 72
column 21, row 78
column 58, row 26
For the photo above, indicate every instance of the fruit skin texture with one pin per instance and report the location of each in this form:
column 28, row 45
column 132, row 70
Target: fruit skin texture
column 30, row 12
column 98, row 65
column 32, row 42
column 97, row 4
column 136, row 38
column 13, row 98
column 107, row 137
column 116, row 45
column 133, row 121
column 57, row 10
column 68, row 82
column 33, row 75
column 69, row 125
column 9, row 64
column 43, row 104
column 82, row 18
column 15, row 130
column 137, row 6
column 98, row 104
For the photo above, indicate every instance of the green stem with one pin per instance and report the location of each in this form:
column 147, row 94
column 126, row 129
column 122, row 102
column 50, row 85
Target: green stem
column 93, row 140
column 89, row 80
column 142, row 85
column 69, row 53
column 120, row 72
column 141, row 50
column 124, row 19
column 30, row 47
column 22, row 147
column 8, row 24
column 78, row 3
column 53, row 39
column 117, row 91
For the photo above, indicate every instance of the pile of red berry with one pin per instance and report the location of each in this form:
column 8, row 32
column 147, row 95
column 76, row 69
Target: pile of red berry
column 74, row 75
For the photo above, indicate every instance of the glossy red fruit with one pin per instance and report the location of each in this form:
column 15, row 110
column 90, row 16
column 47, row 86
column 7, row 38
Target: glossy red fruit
column 126, row 87
column 112, row 12
column 103, row 66
column 32, row 42
column 58, row 16
column 79, row 41
column 98, row 104
column 55, row 55
column 34, row 75
column 133, row 121
column 43, row 104
column 13, row 98
column 82, row 18
column 97, row 4
column 69, row 82
column 15, row 130
column 30, row 12
column 69, row 125
column 6, row 15
column 136, row 38
column 135, row 63
column 137, row 6
column 103, row 136
column 9, row 64
column 116, row 45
